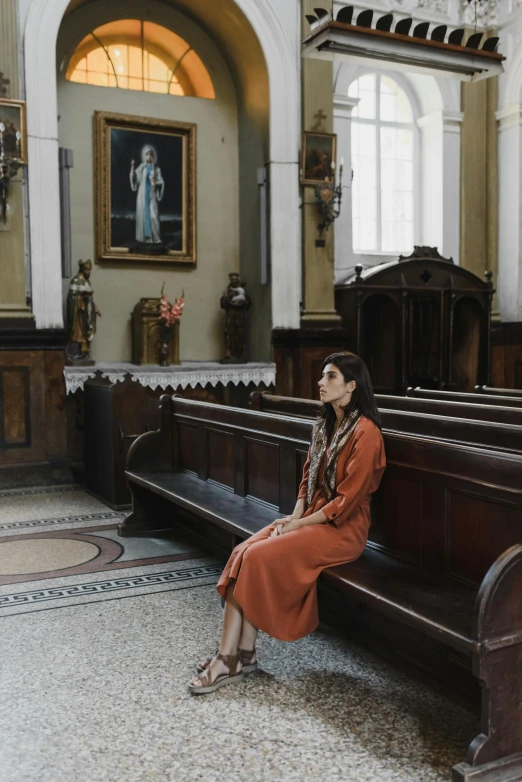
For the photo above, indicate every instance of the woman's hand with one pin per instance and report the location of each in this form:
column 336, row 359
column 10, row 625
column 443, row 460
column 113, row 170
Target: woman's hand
column 291, row 526
column 278, row 526
column 286, row 524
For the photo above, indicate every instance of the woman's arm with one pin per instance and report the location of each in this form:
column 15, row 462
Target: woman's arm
column 315, row 518
column 300, row 505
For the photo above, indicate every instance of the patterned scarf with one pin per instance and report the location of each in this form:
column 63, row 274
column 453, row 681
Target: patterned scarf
column 319, row 444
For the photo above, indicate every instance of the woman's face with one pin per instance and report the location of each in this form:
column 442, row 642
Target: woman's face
column 333, row 388
column 148, row 157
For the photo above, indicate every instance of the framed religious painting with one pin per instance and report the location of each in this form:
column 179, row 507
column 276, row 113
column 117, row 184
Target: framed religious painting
column 318, row 152
column 145, row 189
column 13, row 129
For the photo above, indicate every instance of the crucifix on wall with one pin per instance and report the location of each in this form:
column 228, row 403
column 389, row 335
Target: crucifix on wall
column 319, row 119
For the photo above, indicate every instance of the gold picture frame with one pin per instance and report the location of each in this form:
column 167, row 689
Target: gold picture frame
column 145, row 189
column 318, row 150
column 13, row 116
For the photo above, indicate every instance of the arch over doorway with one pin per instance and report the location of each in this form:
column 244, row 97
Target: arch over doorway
column 41, row 31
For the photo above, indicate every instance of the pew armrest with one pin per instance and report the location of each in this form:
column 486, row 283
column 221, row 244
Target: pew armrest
column 498, row 608
column 153, row 450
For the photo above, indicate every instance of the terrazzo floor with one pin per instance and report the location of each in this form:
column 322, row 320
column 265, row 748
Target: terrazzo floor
column 95, row 665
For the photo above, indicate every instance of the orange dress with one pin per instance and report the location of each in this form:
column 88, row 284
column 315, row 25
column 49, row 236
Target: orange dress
column 276, row 578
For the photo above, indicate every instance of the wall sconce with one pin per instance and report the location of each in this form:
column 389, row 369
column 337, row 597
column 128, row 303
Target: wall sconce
column 8, row 170
column 329, row 196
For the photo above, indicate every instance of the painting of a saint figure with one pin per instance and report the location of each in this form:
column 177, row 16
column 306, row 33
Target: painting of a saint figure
column 145, row 189
column 147, row 181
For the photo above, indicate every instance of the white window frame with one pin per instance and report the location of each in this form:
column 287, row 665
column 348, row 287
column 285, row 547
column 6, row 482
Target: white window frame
column 377, row 123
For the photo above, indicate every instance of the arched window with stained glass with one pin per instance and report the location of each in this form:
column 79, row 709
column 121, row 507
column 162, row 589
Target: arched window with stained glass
column 383, row 141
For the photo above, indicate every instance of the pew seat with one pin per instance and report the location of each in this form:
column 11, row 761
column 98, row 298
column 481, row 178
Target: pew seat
column 239, row 515
column 436, row 605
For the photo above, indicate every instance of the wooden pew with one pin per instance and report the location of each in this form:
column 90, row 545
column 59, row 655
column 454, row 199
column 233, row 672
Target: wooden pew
column 452, row 422
column 490, row 391
column 460, row 396
column 440, row 581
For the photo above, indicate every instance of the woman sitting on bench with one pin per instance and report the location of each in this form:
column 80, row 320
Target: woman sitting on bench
column 269, row 582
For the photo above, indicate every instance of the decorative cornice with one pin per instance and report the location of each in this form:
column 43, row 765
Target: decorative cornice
column 510, row 116
column 451, row 12
column 344, row 105
column 450, row 120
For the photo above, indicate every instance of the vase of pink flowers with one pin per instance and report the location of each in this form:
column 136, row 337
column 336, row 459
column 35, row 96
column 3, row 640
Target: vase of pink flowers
column 169, row 318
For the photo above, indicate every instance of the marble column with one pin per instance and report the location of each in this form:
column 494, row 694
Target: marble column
column 344, row 262
column 12, row 245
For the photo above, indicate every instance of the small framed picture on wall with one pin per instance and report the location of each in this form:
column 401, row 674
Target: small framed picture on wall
column 145, row 189
column 318, row 152
column 13, row 129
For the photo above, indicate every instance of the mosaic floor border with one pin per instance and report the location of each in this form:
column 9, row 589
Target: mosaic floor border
column 31, row 490
column 204, row 574
column 95, row 516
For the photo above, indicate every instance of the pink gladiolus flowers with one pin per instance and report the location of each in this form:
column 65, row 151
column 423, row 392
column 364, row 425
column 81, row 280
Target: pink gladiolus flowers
column 170, row 313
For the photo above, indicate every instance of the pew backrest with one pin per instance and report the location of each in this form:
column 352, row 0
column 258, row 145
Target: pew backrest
column 451, row 509
column 491, row 391
column 460, row 396
column 448, row 421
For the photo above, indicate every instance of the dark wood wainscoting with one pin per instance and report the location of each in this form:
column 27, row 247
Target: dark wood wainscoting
column 506, row 354
column 33, row 444
column 299, row 354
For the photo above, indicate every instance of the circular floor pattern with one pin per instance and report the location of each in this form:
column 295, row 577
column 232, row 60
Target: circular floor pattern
column 21, row 557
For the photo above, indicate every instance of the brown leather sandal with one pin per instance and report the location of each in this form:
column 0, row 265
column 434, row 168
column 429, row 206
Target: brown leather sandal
column 232, row 677
column 245, row 656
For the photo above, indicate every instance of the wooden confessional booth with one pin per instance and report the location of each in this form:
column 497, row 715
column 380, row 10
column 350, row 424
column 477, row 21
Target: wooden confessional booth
column 419, row 321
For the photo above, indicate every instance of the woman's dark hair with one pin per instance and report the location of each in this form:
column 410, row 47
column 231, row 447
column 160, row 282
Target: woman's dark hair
column 352, row 368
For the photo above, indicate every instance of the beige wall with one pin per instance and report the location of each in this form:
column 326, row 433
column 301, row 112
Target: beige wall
column 119, row 286
column 12, row 247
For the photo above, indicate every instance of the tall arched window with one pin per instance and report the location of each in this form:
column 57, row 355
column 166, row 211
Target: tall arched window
column 136, row 55
column 383, row 156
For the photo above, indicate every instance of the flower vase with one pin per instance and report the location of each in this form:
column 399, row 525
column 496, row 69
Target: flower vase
column 163, row 353
column 164, row 346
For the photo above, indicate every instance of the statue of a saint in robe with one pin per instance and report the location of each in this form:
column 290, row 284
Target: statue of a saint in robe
column 148, row 182
column 81, row 316
column 235, row 301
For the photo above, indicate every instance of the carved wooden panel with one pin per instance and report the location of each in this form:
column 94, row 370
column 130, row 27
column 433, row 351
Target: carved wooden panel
column 262, row 471
column 15, row 401
column 220, row 457
column 31, row 390
column 478, row 531
column 188, row 446
column 397, row 514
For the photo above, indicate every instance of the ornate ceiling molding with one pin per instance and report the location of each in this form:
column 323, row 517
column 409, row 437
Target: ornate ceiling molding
column 485, row 13
column 451, row 12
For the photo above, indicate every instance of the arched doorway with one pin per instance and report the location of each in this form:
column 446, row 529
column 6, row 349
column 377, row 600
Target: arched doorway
column 251, row 35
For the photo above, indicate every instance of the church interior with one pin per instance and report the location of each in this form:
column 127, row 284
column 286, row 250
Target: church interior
column 199, row 203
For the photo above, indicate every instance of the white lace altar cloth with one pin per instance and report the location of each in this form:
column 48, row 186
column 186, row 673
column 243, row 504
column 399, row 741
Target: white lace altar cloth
column 188, row 374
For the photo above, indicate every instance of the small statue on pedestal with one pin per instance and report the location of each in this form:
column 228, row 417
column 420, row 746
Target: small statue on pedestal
column 81, row 317
column 235, row 301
